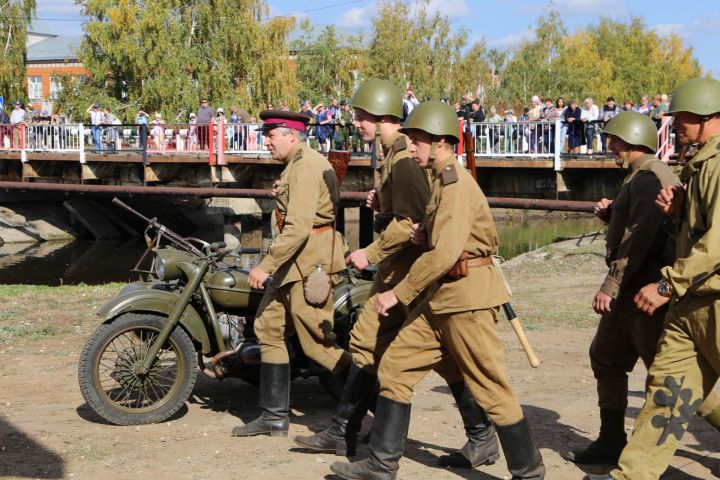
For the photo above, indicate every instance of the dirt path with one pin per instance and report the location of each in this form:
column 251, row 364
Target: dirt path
column 46, row 430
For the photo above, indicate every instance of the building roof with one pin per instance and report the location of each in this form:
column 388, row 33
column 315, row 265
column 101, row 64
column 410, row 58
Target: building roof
column 60, row 47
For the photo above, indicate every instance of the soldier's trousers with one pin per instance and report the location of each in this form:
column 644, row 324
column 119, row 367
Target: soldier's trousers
column 622, row 338
column 685, row 369
column 470, row 340
column 372, row 335
column 284, row 310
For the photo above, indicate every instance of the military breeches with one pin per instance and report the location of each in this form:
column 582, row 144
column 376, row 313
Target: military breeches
column 685, row 369
column 470, row 340
column 283, row 311
column 372, row 335
column 620, row 340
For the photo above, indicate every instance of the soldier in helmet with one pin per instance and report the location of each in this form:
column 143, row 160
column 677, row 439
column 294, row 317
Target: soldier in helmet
column 306, row 195
column 401, row 199
column 455, row 318
column 687, row 363
column 639, row 244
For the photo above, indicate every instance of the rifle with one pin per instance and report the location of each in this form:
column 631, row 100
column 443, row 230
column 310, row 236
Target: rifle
column 507, row 308
column 181, row 243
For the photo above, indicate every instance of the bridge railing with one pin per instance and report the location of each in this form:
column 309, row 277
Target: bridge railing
column 516, row 139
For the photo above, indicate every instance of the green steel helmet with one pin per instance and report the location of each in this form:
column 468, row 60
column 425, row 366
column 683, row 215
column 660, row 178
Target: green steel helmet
column 634, row 128
column 379, row 97
column 433, row 117
column 700, row 96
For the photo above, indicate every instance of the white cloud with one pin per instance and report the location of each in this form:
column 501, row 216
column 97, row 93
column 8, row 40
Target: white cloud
column 358, row 17
column 451, row 8
column 513, row 40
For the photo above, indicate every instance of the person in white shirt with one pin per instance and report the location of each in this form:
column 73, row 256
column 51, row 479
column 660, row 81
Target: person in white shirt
column 409, row 102
column 97, row 119
column 589, row 115
column 17, row 118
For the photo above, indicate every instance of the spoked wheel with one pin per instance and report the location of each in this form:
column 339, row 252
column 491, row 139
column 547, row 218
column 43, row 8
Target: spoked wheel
column 114, row 385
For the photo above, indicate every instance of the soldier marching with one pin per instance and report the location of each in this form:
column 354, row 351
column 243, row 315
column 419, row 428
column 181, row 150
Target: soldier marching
column 437, row 295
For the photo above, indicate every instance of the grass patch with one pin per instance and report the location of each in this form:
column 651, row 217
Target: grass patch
column 26, row 331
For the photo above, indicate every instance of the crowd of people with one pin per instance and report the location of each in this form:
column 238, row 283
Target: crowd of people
column 331, row 125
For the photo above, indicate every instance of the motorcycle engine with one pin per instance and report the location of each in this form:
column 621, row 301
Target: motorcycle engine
column 232, row 328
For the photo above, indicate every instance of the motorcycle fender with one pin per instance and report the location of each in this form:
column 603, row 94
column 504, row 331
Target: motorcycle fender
column 157, row 301
column 348, row 296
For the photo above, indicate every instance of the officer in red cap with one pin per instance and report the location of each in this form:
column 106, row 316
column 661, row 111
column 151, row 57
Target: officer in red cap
column 306, row 245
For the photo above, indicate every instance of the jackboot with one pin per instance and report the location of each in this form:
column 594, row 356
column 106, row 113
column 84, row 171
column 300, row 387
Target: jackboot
column 341, row 436
column 609, row 444
column 482, row 447
column 274, row 402
column 522, row 455
column 386, row 445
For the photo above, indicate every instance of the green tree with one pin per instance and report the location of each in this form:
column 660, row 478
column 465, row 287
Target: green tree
column 325, row 62
column 165, row 55
column 15, row 15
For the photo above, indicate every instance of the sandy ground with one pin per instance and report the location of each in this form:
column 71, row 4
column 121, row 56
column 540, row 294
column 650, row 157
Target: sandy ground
column 47, row 431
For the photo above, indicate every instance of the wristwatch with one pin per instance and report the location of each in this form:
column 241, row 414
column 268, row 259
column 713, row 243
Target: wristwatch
column 665, row 289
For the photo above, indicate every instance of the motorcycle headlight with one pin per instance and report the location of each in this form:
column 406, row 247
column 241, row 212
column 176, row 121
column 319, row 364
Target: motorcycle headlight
column 166, row 263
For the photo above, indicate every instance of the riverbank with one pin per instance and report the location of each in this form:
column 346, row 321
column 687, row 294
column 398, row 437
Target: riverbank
column 46, row 430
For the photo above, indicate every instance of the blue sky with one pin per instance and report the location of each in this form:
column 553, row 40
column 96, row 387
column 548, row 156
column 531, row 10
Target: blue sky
column 501, row 23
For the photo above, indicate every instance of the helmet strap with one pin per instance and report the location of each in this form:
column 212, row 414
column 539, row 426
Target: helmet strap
column 433, row 149
column 378, row 142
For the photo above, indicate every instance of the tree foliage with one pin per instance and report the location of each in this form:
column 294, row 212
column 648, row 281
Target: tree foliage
column 165, row 55
column 15, row 16
column 326, row 62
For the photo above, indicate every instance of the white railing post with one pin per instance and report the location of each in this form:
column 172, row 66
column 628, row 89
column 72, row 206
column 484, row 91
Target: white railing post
column 81, row 140
column 558, row 145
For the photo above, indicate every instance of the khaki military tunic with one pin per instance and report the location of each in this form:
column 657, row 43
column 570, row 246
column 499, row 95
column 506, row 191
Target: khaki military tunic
column 403, row 194
column 456, row 318
column 306, row 198
column 687, row 363
column 639, row 243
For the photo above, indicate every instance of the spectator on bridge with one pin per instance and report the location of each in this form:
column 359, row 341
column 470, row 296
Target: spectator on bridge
column 5, row 129
column 158, row 132
column 494, row 130
column 477, row 115
column 509, row 132
column 142, row 123
column 589, row 116
column 549, row 114
column 628, row 105
column 610, row 109
column 204, row 117
column 111, row 135
column 561, row 107
column 575, row 127
column 192, row 132
column 661, row 107
column 644, row 107
column 96, row 120
column 409, row 102
column 324, row 120
column 281, row 106
column 534, row 113
column 306, row 110
column 252, row 136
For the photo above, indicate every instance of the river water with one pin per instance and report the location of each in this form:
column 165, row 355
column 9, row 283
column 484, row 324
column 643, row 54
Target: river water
column 98, row 262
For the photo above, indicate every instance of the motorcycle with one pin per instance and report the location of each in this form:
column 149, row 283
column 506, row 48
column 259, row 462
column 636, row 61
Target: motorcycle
column 141, row 364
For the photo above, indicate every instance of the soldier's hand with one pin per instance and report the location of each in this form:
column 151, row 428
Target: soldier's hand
column 601, row 209
column 275, row 186
column 358, row 259
column 257, row 277
column 602, row 302
column 418, row 236
column 648, row 299
column 670, row 199
column 384, row 302
column 371, row 201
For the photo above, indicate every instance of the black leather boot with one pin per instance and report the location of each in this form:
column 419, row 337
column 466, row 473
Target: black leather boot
column 341, row 436
column 522, row 455
column 609, row 444
column 274, row 402
column 386, row 445
column 482, row 446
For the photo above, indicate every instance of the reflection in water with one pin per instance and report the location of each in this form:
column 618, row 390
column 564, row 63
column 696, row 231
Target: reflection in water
column 97, row 262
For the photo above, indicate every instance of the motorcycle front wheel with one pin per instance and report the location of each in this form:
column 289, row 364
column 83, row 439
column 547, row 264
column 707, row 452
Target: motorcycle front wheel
column 114, row 387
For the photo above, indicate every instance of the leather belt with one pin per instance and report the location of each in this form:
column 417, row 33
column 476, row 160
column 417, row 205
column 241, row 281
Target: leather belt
column 479, row 261
column 320, row 229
